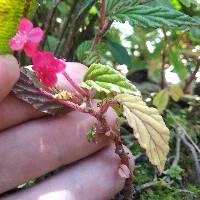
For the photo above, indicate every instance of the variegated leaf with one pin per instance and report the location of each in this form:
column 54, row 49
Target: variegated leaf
column 28, row 90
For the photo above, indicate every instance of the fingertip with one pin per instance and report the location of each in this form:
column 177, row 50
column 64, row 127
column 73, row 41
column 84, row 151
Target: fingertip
column 9, row 74
column 76, row 71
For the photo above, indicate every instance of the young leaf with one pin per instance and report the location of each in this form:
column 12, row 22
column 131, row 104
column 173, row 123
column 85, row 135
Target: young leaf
column 119, row 53
column 29, row 91
column 148, row 127
column 10, row 15
column 161, row 100
column 153, row 16
column 107, row 80
column 91, row 135
column 176, row 92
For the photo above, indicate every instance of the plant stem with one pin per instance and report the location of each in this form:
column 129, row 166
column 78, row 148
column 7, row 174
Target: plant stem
column 192, row 78
column 75, row 85
column 102, row 19
column 124, row 160
column 164, row 53
column 66, row 24
column 116, row 138
column 104, row 25
column 108, row 104
column 72, row 105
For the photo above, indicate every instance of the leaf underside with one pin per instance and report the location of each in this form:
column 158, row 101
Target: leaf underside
column 106, row 80
column 148, row 127
column 26, row 90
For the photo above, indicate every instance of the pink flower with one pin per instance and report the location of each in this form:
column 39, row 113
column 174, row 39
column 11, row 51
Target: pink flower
column 47, row 67
column 27, row 37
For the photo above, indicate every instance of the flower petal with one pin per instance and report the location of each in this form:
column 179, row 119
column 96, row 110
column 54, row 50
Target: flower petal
column 17, row 42
column 60, row 65
column 49, row 80
column 25, row 25
column 30, row 49
column 35, row 35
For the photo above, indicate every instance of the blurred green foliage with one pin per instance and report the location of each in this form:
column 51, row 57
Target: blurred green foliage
column 157, row 37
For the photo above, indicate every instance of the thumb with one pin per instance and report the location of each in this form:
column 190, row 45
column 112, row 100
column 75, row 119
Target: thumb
column 9, row 74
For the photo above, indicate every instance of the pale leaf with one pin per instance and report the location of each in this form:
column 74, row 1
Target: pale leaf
column 148, row 127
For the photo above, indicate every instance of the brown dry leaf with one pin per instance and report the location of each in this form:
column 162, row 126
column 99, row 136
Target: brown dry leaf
column 149, row 128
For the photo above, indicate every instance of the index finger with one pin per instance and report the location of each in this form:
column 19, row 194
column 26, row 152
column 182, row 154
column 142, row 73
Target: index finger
column 9, row 74
column 14, row 111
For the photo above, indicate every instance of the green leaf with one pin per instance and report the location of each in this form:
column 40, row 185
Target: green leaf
column 175, row 172
column 106, row 80
column 149, row 128
column 179, row 68
column 188, row 3
column 119, row 53
column 10, row 15
column 83, row 49
column 51, row 44
column 161, row 100
column 176, row 92
column 153, row 16
column 113, row 5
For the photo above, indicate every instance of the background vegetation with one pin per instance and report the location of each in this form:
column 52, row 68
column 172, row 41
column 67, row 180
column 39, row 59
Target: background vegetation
column 158, row 48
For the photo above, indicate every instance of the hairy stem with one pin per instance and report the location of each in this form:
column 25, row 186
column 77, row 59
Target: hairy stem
column 75, row 85
column 104, row 25
column 108, row 104
column 124, row 160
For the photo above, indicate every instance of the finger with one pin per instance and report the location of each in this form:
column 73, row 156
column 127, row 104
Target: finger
column 35, row 148
column 9, row 74
column 12, row 107
column 94, row 178
column 14, row 111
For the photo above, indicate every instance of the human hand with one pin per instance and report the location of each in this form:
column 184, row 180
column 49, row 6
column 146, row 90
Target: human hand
column 33, row 144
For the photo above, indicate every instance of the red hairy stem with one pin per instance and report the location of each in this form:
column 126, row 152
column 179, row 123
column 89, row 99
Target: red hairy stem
column 115, row 137
column 104, row 25
column 102, row 19
column 75, row 85
column 124, row 160
column 108, row 104
column 70, row 104
column 192, row 78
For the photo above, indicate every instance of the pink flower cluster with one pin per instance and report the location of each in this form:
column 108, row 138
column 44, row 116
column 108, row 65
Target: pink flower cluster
column 45, row 65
